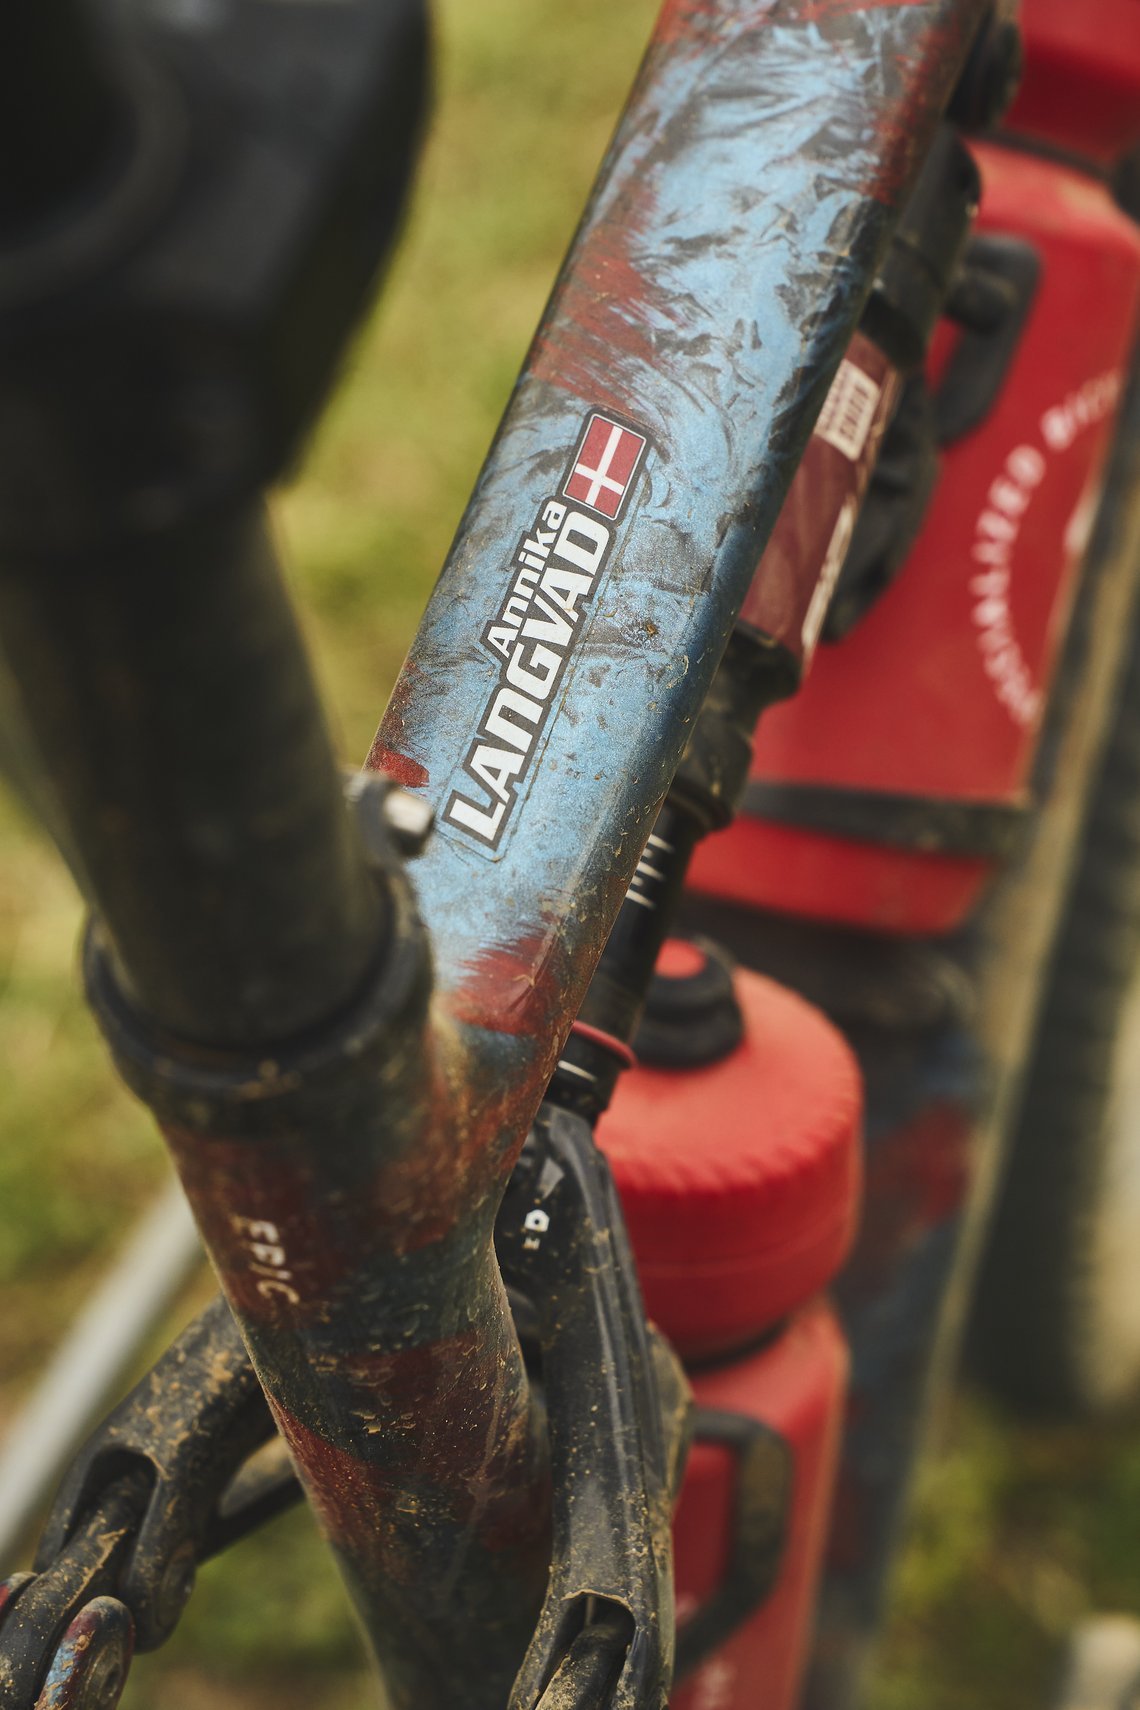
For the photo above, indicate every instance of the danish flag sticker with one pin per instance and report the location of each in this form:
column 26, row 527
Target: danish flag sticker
column 607, row 460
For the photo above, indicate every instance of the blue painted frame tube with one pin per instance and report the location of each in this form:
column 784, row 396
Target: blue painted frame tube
column 708, row 297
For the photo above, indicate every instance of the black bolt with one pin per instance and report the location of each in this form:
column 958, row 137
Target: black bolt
column 176, row 1585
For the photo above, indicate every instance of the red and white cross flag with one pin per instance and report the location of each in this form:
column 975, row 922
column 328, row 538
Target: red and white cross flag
column 605, row 466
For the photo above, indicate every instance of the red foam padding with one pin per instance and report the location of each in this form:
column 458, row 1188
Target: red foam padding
column 740, row 1181
column 1081, row 85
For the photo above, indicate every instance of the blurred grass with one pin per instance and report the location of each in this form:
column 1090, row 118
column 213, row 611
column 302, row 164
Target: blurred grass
column 1015, row 1534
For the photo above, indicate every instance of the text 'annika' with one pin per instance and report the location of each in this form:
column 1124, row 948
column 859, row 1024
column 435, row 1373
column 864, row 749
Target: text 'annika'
column 558, row 566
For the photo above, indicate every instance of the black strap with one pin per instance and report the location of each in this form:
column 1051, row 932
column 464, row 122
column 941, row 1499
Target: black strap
column 959, row 826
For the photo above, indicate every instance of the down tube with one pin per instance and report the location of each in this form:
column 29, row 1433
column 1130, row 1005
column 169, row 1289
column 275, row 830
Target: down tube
column 706, row 301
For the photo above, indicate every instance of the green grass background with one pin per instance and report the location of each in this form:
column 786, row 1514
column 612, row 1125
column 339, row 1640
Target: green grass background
column 1016, row 1534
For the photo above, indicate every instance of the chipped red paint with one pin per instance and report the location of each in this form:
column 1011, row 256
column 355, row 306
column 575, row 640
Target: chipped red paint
column 604, row 306
column 816, row 10
column 475, row 1493
column 388, row 752
column 401, row 767
column 359, row 1500
column 685, row 20
column 695, row 20
column 404, row 1389
column 511, row 988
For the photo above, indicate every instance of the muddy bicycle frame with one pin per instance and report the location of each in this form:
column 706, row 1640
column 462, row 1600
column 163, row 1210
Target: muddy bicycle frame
column 345, row 1090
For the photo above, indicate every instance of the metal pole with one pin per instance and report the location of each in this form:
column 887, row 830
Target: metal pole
column 95, row 1357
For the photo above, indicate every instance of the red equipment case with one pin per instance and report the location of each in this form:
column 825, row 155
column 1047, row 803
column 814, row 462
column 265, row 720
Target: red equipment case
column 937, row 695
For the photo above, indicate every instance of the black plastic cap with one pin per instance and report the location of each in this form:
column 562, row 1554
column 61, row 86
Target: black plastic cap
column 691, row 1018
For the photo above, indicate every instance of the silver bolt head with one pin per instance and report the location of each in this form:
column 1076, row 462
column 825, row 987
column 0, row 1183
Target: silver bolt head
column 410, row 820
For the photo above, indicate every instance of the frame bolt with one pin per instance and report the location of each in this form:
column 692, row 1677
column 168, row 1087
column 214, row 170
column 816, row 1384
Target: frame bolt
column 410, row 820
column 388, row 816
column 175, row 1588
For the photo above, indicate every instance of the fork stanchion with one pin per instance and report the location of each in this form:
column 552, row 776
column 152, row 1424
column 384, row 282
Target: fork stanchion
column 177, row 719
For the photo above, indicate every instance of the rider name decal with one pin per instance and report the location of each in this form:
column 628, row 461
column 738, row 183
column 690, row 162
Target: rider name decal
column 558, row 566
